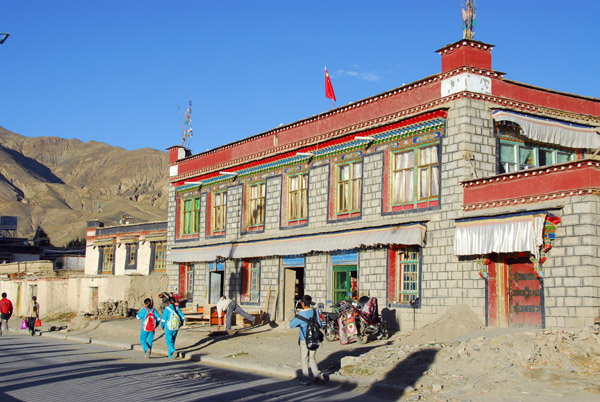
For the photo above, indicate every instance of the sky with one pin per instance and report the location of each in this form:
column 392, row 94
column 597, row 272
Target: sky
column 123, row 71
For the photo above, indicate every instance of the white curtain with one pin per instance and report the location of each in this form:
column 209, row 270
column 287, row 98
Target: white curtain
column 500, row 235
column 552, row 131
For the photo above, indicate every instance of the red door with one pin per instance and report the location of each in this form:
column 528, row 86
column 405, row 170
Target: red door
column 525, row 294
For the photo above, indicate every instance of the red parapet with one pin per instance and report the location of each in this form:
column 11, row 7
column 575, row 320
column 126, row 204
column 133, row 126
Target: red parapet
column 533, row 185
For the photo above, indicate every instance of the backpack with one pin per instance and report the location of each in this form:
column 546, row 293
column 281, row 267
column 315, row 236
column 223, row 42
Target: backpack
column 150, row 321
column 174, row 321
column 313, row 335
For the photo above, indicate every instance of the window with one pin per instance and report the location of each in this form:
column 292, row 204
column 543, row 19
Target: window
column 429, row 173
column 219, row 204
column 251, row 281
column 402, row 177
column 406, row 275
column 516, row 156
column 256, row 205
column 348, row 179
column 159, row 259
column 297, row 198
column 191, row 216
column 108, row 258
column 414, row 178
column 131, row 255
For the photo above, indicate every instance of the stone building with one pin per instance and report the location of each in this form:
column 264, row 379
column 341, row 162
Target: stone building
column 462, row 187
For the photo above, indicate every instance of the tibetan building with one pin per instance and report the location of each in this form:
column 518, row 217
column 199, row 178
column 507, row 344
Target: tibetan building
column 462, row 187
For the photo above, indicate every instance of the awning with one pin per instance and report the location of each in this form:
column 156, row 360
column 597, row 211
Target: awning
column 550, row 131
column 104, row 242
column 412, row 234
column 501, row 234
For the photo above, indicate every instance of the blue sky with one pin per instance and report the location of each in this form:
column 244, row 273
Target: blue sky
column 115, row 71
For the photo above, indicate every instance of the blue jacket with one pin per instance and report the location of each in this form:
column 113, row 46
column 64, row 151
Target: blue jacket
column 167, row 313
column 143, row 313
column 297, row 322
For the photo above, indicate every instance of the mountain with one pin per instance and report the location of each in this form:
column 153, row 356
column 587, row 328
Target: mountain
column 58, row 184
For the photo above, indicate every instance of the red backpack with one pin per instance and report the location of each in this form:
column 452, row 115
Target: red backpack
column 149, row 321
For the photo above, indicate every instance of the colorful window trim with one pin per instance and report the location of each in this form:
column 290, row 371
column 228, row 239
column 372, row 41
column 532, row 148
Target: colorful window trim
column 190, row 217
column 255, row 206
column 413, row 178
column 517, row 154
column 348, row 189
column 297, row 199
column 186, row 281
column 404, row 280
column 251, row 281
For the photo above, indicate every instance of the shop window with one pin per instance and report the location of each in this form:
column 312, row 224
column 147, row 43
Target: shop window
column 515, row 156
column 251, row 281
column 297, row 198
column 159, row 254
column 256, row 206
column 348, row 188
column 404, row 275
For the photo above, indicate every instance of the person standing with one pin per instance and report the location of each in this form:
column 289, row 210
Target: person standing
column 150, row 319
column 229, row 307
column 33, row 314
column 6, row 310
column 172, row 319
column 307, row 356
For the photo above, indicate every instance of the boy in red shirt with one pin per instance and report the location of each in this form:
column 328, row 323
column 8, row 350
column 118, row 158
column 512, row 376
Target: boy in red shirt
column 6, row 310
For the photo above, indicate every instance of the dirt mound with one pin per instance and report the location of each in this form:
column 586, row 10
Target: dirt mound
column 456, row 321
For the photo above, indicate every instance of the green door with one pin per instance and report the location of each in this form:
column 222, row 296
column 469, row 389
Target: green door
column 343, row 277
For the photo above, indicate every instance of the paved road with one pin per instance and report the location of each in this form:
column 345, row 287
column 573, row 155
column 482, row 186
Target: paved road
column 41, row 369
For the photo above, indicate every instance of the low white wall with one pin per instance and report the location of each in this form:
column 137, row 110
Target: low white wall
column 58, row 295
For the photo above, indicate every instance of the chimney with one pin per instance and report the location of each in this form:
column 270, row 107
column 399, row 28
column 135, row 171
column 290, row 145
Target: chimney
column 466, row 53
column 177, row 152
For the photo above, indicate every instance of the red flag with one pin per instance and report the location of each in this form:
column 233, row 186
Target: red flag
column 328, row 88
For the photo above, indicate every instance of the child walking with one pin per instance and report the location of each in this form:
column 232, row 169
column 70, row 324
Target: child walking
column 150, row 319
column 172, row 320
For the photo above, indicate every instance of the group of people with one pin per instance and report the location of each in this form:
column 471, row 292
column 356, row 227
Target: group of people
column 6, row 311
column 171, row 320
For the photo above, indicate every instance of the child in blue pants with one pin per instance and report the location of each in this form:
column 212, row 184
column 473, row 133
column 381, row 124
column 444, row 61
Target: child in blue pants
column 172, row 319
column 148, row 328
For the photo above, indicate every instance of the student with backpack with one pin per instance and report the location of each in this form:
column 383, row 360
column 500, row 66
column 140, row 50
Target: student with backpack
column 310, row 336
column 172, row 320
column 150, row 319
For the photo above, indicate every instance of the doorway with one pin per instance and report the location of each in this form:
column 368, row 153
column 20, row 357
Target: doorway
column 515, row 293
column 293, row 287
column 216, row 281
column 345, row 282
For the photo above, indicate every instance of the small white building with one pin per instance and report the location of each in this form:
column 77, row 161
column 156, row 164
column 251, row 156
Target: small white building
column 134, row 249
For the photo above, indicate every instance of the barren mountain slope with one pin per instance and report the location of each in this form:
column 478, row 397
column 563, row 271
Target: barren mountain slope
column 59, row 184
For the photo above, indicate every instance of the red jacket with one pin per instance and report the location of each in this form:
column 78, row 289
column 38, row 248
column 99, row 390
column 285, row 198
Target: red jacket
column 6, row 306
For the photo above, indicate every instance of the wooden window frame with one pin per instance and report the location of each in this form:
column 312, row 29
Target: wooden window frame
column 251, row 281
column 256, row 205
column 348, row 191
column 159, row 257
column 297, row 199
column 218, row 212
